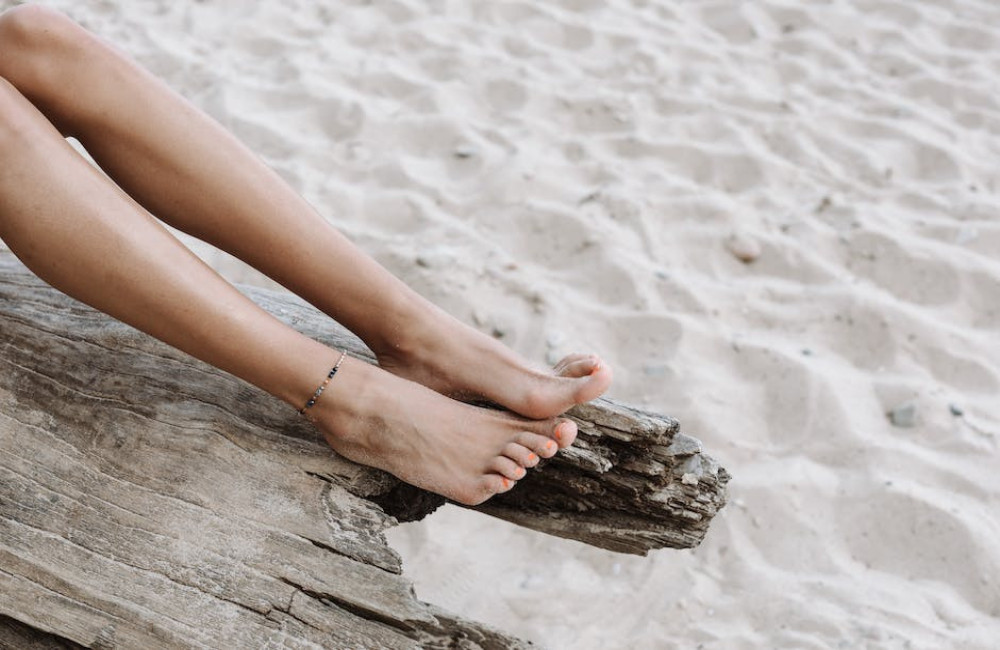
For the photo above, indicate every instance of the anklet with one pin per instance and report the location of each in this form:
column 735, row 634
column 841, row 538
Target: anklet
column 322, row 387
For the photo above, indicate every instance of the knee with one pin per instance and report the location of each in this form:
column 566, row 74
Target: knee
column 30, row 26
column 30, row 36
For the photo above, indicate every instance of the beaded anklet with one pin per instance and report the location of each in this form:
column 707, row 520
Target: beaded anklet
column 322, row 387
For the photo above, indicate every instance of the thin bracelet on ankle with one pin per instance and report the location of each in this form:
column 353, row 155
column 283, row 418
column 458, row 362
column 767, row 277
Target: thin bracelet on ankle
column 322, row 387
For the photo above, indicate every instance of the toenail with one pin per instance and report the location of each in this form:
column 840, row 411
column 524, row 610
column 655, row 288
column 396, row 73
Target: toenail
column 558, row 435
column 531, row 456
column 550, row 444
column 505, row 482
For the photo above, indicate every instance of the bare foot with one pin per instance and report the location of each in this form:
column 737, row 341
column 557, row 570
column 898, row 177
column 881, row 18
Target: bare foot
column 462, row 452
column 442, row 353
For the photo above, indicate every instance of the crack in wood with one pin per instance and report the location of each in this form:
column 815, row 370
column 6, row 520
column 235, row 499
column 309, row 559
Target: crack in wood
column 19, row 635
column 332, row 599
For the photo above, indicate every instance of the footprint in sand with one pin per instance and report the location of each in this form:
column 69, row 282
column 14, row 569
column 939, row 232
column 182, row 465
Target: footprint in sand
column 906, row 272
column 982, row 298
column 903, row 529
column 901, row 14
column 859, row 331
column 949, row 95
column 801, row 406
column 959, row 371
column 728, row 20
column 969, row 37
column 505, row 95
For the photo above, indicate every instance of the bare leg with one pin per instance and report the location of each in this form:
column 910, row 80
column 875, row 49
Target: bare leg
column 82, row 234
column 188, row 171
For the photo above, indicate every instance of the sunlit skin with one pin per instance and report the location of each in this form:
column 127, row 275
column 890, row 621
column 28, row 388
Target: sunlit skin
column 102, row 242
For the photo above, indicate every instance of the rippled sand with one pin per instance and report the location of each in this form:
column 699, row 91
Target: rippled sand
column 587, row 175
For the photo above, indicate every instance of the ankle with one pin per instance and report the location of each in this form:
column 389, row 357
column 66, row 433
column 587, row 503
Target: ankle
column 308, row 368
column 409, row 333
column 345, row 403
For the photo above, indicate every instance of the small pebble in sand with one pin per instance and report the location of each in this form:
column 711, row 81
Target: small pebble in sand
column 904, row 415
column 435, row 257
column 956, row 410
column 463, row 151
column 743, row 247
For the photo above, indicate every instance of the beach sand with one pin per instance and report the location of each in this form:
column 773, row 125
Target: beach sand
column 776, row 219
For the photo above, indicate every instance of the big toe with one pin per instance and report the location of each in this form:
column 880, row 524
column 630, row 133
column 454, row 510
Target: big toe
column 594, row 382
column 564, row 433
column 576, row 365
column 575, row 380
column 589, row 367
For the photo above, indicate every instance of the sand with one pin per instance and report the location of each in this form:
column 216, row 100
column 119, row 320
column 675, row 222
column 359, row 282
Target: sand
column 776, row 219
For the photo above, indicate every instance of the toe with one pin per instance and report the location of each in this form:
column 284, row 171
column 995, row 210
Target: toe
column 508, row 468
column 521, row 455
column 564, row 433
column 481, row 490
column 544, row 446
column 581, row 368
column 508, row 485
column 577, row 362
column 576, row 379
column 499, row 484
column 593, row 384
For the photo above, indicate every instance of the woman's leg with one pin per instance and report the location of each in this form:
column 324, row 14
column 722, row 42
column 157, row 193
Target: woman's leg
column 82, row 234
column 187, row 170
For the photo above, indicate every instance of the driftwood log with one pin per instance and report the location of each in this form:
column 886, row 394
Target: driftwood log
column 149, row 500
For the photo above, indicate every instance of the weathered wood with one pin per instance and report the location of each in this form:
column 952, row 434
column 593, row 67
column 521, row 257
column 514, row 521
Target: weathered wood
column 632, row 482
column 149, row 500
